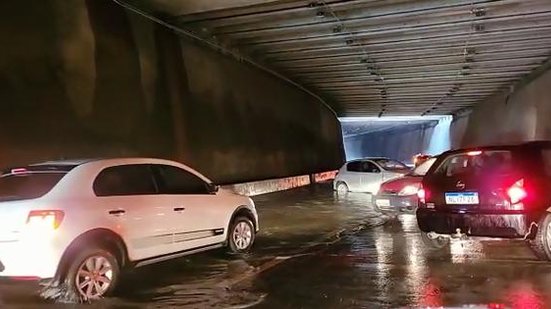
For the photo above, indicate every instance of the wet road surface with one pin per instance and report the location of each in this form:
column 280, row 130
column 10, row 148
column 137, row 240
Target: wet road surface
column 389, row 267
column 317, row 249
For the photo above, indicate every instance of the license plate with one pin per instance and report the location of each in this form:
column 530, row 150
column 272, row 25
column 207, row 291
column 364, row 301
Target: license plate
column 462, row 198
column 382, row 203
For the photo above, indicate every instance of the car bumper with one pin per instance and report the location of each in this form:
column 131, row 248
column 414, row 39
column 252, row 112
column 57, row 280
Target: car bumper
column 31, row 258
column 394, row 204
column 486, row 225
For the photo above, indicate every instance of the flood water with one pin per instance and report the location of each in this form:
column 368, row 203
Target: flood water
column 320, row 250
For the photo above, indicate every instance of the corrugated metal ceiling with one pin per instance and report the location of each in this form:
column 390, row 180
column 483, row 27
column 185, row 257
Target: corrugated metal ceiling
column 391, row 57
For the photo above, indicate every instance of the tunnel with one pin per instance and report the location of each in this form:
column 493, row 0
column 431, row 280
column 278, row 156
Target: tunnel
column 262, row 96
column 261, row 90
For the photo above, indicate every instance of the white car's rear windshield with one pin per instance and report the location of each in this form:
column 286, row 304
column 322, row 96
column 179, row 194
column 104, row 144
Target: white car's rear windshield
column 26, row 186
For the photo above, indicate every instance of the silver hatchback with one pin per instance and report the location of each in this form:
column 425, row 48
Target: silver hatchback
column 367, row 175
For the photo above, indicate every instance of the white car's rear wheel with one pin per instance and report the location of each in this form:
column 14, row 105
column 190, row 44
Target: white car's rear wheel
column 93, row 274
column 241, row 235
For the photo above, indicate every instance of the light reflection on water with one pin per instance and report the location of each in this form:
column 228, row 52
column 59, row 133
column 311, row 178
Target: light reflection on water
column 472, row 271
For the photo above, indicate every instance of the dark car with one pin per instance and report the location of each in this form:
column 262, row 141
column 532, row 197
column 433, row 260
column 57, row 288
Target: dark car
column 497, row 191
column 400, row 195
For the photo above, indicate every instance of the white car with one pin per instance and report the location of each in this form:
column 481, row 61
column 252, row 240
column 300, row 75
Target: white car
column 81, row 222
column 367, row 175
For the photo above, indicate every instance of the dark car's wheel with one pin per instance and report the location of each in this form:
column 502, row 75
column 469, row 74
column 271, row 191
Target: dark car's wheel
column 342, row 188
column 437, row 243
column 241, row 235
column 92, row 274
column 541, row 244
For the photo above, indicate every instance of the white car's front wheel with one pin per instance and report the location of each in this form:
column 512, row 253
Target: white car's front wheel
column 342, row 188
column 241, row 235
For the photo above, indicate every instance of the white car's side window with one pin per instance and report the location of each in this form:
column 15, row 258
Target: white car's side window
column 174, row 180
column 354, row 166
column 135, row 179
column 370, row 167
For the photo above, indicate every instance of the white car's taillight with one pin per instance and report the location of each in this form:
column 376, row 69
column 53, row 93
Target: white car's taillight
column 44, row 220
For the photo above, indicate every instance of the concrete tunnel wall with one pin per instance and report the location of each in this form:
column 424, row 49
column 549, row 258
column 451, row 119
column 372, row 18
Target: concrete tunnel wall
column 89, row 79
column 522, row 115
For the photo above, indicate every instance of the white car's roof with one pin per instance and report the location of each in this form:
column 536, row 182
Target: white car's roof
column 64, row 162
column 122, row 160
column 368, row 158
column 81, row 174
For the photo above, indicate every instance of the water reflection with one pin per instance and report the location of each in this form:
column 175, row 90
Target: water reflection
column 468, row 250
column 524, row 295
column 430, row 294
column 472, row 271
column 385, row 249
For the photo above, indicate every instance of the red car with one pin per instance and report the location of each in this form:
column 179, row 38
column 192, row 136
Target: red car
column 400, row 195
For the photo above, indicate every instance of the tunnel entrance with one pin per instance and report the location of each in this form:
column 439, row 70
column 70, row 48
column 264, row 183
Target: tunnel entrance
column 395, row 137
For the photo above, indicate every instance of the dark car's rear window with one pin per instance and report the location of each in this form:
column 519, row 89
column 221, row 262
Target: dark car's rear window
column 25, row 186
column 473, row 163
column 546, row 156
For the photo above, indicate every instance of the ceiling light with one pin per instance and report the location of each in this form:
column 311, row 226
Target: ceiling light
column 479, row 27
column 313, row 4
column 479, row 12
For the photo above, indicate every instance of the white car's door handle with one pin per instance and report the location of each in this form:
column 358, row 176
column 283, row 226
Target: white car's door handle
column 179, row 209
column 117, row 212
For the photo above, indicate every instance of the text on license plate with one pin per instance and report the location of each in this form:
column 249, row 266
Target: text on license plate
column 382, row 203
column 462, row 198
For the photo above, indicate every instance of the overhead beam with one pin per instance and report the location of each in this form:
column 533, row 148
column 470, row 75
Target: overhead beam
column 194, row 7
